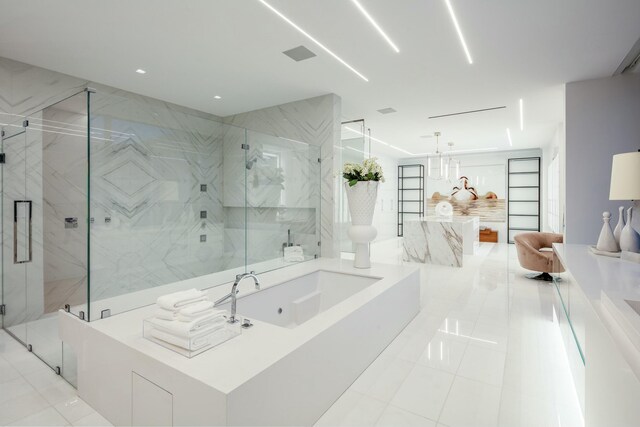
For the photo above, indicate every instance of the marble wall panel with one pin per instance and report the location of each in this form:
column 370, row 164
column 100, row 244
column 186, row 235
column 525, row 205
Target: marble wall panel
column 315, row 121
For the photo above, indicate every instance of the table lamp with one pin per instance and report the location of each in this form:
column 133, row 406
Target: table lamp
column 625, row 185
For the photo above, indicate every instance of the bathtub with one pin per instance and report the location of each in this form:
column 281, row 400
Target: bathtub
column 293, row 302
column 316, row 327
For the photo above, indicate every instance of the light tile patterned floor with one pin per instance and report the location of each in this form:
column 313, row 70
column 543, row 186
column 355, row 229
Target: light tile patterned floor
column 483, row 351
column 31, row 394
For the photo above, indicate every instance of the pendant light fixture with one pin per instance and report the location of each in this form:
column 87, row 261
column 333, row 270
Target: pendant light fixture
column 446, row 165
column 438, row 159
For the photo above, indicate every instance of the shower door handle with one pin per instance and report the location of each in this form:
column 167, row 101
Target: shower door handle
column 22, row 252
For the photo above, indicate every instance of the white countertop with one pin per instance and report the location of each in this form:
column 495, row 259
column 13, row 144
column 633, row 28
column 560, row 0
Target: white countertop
column 597, row 274
column 232, row 363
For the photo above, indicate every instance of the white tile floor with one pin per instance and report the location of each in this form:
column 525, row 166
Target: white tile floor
column 484, row 351
column 31, row 394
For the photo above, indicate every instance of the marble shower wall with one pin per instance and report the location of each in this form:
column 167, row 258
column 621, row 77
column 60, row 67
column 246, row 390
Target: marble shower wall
column 154, row 222
column 278, row 182
column 315, row 121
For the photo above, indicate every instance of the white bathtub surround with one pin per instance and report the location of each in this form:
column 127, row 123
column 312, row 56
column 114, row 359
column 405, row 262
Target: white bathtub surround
column 443, row 241
column 362, row 203
column 273, row 374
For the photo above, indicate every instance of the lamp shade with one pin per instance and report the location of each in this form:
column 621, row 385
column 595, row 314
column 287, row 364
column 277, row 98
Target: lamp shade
column 625, row 177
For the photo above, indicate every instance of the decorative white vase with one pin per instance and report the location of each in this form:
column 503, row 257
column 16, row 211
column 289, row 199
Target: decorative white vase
column 620, row 226
column 629, row 238
column 362, row 203
column 607, row 241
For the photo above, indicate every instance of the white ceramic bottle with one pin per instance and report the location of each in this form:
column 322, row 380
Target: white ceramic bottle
column 629, row 238
column 606, row 241
column 620, row 226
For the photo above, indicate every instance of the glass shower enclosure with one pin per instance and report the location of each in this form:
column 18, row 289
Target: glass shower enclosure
column 111, row 199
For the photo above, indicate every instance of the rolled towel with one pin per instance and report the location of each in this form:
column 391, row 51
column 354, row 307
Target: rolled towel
column 210, row 335
column 188, row 329
column 163, row 313
column 196, row 309
column 177, row 300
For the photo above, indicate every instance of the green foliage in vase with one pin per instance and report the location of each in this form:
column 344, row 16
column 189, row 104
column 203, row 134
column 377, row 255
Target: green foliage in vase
column 368, row 170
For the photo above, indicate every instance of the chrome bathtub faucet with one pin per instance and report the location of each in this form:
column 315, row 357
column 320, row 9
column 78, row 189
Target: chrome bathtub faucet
column 234, row 292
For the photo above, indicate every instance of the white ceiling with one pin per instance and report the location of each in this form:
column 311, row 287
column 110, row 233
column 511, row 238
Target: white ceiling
column 193, row 50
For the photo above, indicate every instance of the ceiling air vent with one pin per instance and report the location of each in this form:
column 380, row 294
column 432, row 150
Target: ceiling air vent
column 387, row 110
column 299, row 53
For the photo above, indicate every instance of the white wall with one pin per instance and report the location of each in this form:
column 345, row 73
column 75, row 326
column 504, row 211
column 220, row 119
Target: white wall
column 602, row 119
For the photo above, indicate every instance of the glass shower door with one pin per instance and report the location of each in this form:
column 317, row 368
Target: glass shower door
column 44, row 225
column 15, row 231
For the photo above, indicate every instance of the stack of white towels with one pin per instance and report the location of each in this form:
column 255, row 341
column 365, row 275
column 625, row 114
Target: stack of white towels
column 187, row 319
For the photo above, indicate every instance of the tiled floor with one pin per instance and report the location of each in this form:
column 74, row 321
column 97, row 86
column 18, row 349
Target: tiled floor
column 484, row 351
column 31, row 394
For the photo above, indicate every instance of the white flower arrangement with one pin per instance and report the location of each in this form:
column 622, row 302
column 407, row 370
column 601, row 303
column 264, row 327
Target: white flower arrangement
column 369, row 170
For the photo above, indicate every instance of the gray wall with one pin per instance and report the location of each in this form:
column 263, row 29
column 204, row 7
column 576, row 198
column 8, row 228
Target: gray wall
column 602, row 119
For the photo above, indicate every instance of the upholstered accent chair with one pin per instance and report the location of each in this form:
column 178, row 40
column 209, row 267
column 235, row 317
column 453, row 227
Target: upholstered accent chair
column 535, row 253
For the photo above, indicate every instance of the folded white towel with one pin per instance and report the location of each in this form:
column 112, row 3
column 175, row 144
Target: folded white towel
column 163, row 313
column 293, row 254
column 188, row 329
column 211, row 335
column 203, row 314
column 177, row 300
column 196, row 309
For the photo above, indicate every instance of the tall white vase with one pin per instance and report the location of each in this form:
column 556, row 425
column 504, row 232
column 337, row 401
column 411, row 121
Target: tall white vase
column 620, row 226
column 629, row 238
column 362, row 203
column 607, row 241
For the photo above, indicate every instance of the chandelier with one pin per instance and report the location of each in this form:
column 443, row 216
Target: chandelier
column 445, row 163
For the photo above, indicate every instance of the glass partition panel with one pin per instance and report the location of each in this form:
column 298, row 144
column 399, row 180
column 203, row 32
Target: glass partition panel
column 282, row 201
column 157, row 201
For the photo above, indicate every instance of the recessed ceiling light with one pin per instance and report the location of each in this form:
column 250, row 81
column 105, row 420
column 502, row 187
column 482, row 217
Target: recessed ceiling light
column 141, row 71
column 375, row 25
column 509, row 137
column 387, row 110
column 455, row 24
column 307, row 35
column 521, row 116
column 217, row 97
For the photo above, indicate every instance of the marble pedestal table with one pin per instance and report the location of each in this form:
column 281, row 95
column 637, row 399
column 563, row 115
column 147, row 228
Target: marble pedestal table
column 443, row 241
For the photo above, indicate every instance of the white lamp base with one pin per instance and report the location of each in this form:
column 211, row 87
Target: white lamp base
column 361, row 235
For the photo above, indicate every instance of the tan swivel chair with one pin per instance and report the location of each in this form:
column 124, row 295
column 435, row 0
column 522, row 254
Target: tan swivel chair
column 532, row 257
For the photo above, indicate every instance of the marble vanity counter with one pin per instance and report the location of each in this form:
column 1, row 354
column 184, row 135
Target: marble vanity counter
column 443, row 241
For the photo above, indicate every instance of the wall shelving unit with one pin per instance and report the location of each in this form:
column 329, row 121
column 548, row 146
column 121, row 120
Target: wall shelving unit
column 410, row 193
column 523, row 196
